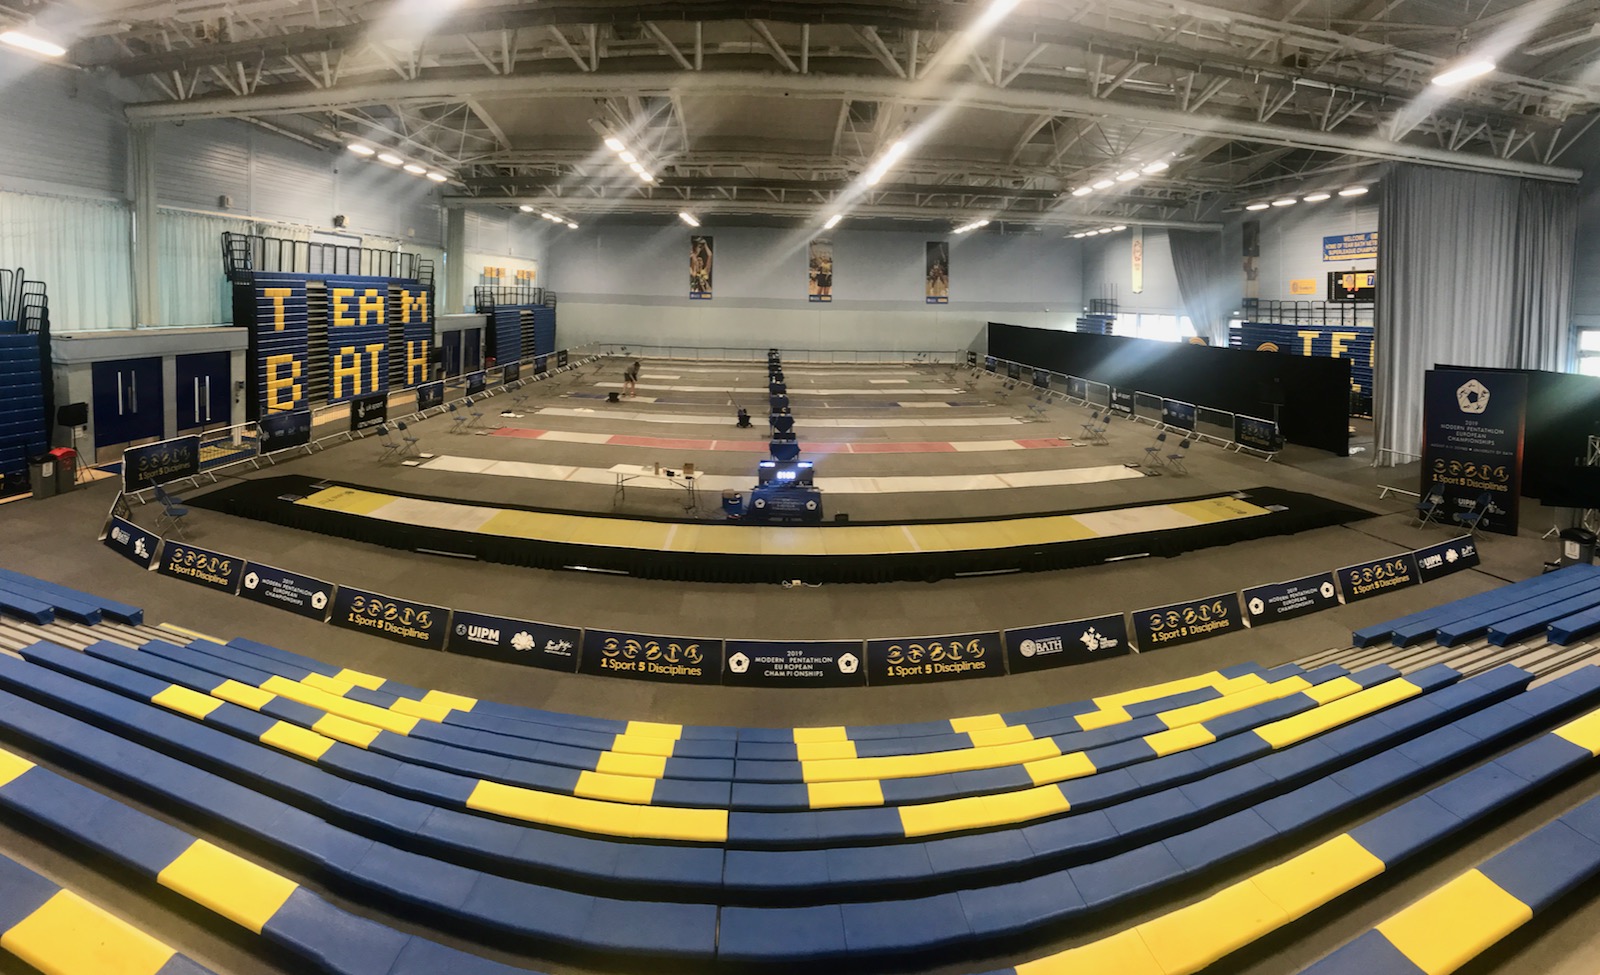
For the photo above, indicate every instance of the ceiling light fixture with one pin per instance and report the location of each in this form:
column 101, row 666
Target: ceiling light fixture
column 974, row 225
column 1258, row 206
column 28, row 42
column 438, row 177
column 833, row 221
column 1317, row 197
column 636, row 167
column 1463, row 72
column 614, row 144
column 890, row 155
column 1124, row 177
column 390, row 158
column 627, row 156
column 1159, row 166
column 571, row 225
column 688, row 218
column 549, row 216
column 648, row 177
column 1103, row 184
column 1079, row 236
column 1287, row 201
column 1354, row 191
column 361, row 149
column 414, row 169
column 525, row 208
column 1119, row 228
column 1083, row 191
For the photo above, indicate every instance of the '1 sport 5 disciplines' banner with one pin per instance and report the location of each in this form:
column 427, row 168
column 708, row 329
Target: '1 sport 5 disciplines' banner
column 922, row 660
column 1472, row 429
column 641, row 656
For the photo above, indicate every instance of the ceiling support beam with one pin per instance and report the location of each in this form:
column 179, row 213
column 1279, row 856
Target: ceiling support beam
column 894, row 90
column 666, row 45
column 773, row 47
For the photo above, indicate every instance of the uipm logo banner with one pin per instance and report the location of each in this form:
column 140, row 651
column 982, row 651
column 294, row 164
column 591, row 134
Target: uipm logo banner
column 1473, row 397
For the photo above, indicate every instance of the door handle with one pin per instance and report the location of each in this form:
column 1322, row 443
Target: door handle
column 133, row 394
column 208, row 399
column 197, row 398
column 120, row 392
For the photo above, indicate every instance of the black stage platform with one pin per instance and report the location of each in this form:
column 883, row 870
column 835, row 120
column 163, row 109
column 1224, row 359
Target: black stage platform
column 722, row 552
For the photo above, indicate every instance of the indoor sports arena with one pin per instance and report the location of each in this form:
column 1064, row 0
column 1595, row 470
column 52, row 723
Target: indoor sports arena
column 966, row 487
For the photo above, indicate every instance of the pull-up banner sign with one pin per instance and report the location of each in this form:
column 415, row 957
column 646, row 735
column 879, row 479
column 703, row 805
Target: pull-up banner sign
column 1472, row 428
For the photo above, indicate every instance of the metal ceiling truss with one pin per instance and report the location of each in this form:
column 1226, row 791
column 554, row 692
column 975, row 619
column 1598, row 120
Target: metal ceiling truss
column 1078, row 86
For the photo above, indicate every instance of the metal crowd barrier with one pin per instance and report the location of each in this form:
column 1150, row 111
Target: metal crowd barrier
column 811, row 356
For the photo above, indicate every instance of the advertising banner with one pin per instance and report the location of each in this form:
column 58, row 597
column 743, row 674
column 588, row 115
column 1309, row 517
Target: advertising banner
column 1257, row 434
column 1077, row 388
column 702, row 250
column 511, row 372
column 1437, row 561
column 418, row 624
column 819, row 271
column 990, row 363
column 367, row 412
column 1186, row 622
column 358, row 338
column 430, row 395
column 514, row 641
column 642, row 656
column 1378, row 576
column 158, row 463
column 1041, row 378
column 1176, row 413
column 794, row 663
column 132, row 542
column 280, row 431
column 1286, row 600
column 1052, row 645
column 1122, row 401
column 972, row 359
column 301, row 595
column 1472, row 430
column 1013, row 370
column 201, row 566
column 936, row 280
column 476, row 381
column 561, row 359
column 1136, row 248
column 922, row 660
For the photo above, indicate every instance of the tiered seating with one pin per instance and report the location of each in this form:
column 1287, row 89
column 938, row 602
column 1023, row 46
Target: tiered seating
column 22, row 410
column 644, row 844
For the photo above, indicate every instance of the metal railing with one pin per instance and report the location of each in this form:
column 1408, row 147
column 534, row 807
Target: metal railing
column 244, row 255
column 735, row 354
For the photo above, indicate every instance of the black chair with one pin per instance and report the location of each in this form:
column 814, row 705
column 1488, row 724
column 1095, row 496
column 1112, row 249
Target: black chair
column 1473, row 516
column 1152, row 453
column 172, row 513
column 412, row 441
column 1431, row 506
column 1175, row 459
column 1093, row 424
column 391, row 446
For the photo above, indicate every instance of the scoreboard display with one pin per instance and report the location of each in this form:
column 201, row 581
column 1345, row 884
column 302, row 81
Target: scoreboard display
column 1353, row 286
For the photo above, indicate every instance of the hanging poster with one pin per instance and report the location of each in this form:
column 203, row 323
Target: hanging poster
column 1472, row 430
column 700, row 253
column 937, row 285
column 1138, row 260
column 819, row 271
column 1351, row 247
column 1250, row 237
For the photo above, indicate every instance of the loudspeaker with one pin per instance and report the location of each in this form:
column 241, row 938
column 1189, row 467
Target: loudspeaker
column 73, row 415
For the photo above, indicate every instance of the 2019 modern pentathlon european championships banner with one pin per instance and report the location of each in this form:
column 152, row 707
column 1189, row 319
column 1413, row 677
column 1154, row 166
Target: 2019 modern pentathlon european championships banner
column 1472, row 431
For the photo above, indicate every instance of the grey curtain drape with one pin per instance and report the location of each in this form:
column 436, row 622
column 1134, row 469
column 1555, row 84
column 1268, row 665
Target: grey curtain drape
column 1473, row 270
column 1204, row 285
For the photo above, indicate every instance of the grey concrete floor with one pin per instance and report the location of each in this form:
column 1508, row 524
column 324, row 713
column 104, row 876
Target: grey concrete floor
column 55, row 539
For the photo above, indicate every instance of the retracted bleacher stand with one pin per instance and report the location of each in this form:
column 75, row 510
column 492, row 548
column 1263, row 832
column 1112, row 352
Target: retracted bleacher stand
column 786, row 491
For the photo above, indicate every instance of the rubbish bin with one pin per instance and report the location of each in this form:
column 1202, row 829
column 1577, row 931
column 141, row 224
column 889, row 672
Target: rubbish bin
column 66, row 468
column 42, row 476
column 1577, row 546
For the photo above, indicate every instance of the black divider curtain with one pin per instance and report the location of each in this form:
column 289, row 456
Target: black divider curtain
column 1206, row 288
column 1474, row 270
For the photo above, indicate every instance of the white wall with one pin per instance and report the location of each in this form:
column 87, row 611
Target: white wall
column 64, row 134
column 500, row 238
column 1108, row 273
column 630, row 284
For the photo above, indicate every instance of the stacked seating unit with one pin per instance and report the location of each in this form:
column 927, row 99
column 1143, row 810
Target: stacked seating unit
column 644, row 845
column 22, row 408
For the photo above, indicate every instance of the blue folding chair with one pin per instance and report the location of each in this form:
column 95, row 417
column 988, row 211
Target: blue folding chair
column 458, row 421
column 1473, row 516
column 386, row 440
column 172, row 513
column 412, row 441
column 1093, row 424
column 1152, row 453
column 1431, row 506
column 1175, row 459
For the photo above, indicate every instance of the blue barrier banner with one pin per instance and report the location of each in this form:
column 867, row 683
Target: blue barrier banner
column 430, row 395
column 1378, row 576
column 1186, row 622
column 280, row 431
column 669, row 659
column 1077, row 388
column 475, row 382
column 1437, row 561
column 990, row 363
column 132, row 542
column 418, row 624
column 1122, row 401
column 794, row 663
column 1031, row 648
column 1013, row 370
column 1176, row 413
column 301, row 595
column 1041, row 378
column 1257, row 434
column 158, row 463
column 972, row 359
column 511, row 372
column 515, row 641
column 1472, row 436
column 561, row 359
column 358, row 338
column 201, row 566
column 367, row 412
column 923, row 660
column 281, row 333
column 1286, row 600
